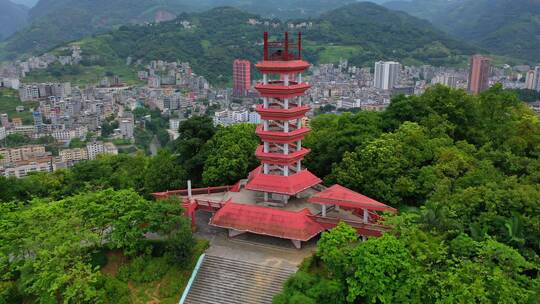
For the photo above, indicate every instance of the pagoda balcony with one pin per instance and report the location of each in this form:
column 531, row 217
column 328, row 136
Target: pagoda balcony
column 280, row 136
column 280, row 158
column 278, row 89
column 282, row 66
column 282, row 114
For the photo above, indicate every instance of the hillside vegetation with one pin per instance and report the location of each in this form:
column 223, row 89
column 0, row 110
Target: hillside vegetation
column 461, row 169
column 12, row 18
column 362, row 33
column 54, row 22
column 505, row 27
column 463, row 172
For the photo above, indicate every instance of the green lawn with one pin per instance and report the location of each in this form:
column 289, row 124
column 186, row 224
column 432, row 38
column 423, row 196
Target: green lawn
column 9, row 100
column 333, row 53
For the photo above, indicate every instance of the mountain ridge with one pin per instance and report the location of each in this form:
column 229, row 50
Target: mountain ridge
column 12, row 17
column 505, row 27
column 51, row 18
column 211, row 40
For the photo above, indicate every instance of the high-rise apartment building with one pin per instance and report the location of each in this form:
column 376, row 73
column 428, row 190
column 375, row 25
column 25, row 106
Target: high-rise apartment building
column 241, row 77
column 536, row 79
column 4, row 120
column 386, row 74
column 529, row 80
column 479, row 74
column 126, row 128
column 446, row 79
column 38, row 120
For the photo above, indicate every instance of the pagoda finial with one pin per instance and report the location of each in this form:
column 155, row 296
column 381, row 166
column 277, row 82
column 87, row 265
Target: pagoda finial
column 286, row 51
column 299, row 45
column 265, row 46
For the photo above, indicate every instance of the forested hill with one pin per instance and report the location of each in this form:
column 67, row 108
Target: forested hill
column 505, row 27
column 210, row 41
column 12, row 17
column 55, row 22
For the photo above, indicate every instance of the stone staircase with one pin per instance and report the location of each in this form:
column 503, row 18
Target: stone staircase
column 226, row 281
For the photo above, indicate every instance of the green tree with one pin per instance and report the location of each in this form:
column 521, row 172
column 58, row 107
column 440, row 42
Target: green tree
column 231, row 155
column 164, row 173
column 194, row 133
column 333, row 135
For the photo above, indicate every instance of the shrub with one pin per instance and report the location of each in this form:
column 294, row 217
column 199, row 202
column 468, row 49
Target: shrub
column 144, row 269
column 99, row 258
column 9, row 293
column 115, row 291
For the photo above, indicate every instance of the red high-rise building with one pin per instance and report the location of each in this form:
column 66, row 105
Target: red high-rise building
column 241, row 77
column 281, row 198
column 479, row 74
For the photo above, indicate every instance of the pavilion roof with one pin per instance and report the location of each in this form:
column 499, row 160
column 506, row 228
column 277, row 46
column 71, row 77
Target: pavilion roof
column 293, row 225
column 341, row 196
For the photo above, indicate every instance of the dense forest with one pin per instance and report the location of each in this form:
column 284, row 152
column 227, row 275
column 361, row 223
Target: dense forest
column 360, row 32
column 462, row 170
column 505, row 27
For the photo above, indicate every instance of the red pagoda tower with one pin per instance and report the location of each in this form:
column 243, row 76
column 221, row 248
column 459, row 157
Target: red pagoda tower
column 280, row 198
column 281, row 174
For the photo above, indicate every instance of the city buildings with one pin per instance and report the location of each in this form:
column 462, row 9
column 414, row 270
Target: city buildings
column 480, row 67
column 3, row 133
column 9, row 82
column 73, row 155
column 11, row 155
column 386, row 74
column 19, row 162
column 241, row 77
column 97, row 147
column 230, row 117
column 22, row 168
column 36, row 91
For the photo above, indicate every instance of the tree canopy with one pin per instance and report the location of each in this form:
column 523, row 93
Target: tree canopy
column 463, row 172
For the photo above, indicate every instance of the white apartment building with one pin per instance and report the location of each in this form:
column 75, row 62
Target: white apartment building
column 3, row 133
column 536, row 79
column 445, row 79
column 97, row 147
column 386, row 74
column 126, row 128
column 29, row 131
column 174, row 124
column 228, row 117
column 23, row 168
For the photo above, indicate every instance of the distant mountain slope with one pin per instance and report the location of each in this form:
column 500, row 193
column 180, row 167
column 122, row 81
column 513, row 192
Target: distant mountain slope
column 506, row 27
column 57, row 21
column 12, row 18
column 361, row 32
column 27, row 3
